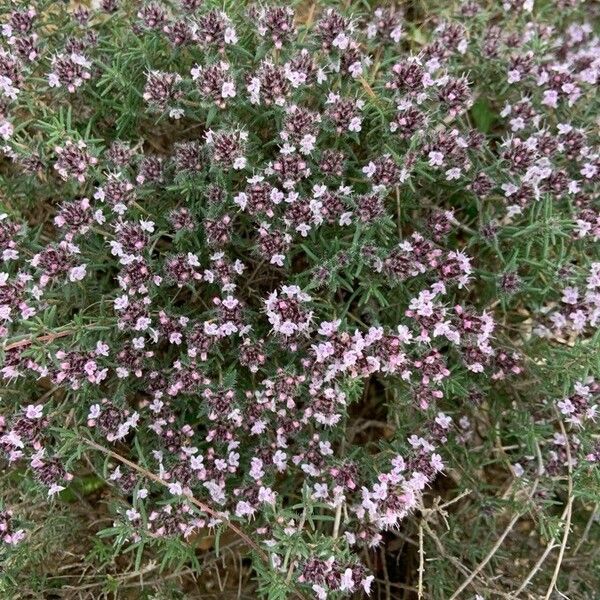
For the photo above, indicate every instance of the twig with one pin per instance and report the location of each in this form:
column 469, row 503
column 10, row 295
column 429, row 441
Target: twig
column 311, row 15
column 399, row 213
column 454, row 500
column 399, row 586
column 488, row 557
column 338, row 518
column 436, row 540
column 586, row 531
column 43, row 338
column 241, row 577
column 569, row 511
column 457, row 564
column 550, row 546
column 388, row 589
column 421, row 561
column 369, row 90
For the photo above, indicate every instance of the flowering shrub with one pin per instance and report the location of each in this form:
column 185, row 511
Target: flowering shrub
column 322, row 278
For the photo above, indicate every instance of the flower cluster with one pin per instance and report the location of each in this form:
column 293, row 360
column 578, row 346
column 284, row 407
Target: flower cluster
column 9, row 534
column 578, row 311
column 580, row 406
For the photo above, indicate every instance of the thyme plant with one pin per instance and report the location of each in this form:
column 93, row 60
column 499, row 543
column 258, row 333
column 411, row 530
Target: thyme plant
column 317, row 281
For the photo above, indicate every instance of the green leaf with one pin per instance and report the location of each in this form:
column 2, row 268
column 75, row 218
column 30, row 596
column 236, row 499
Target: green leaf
column 483, row 115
